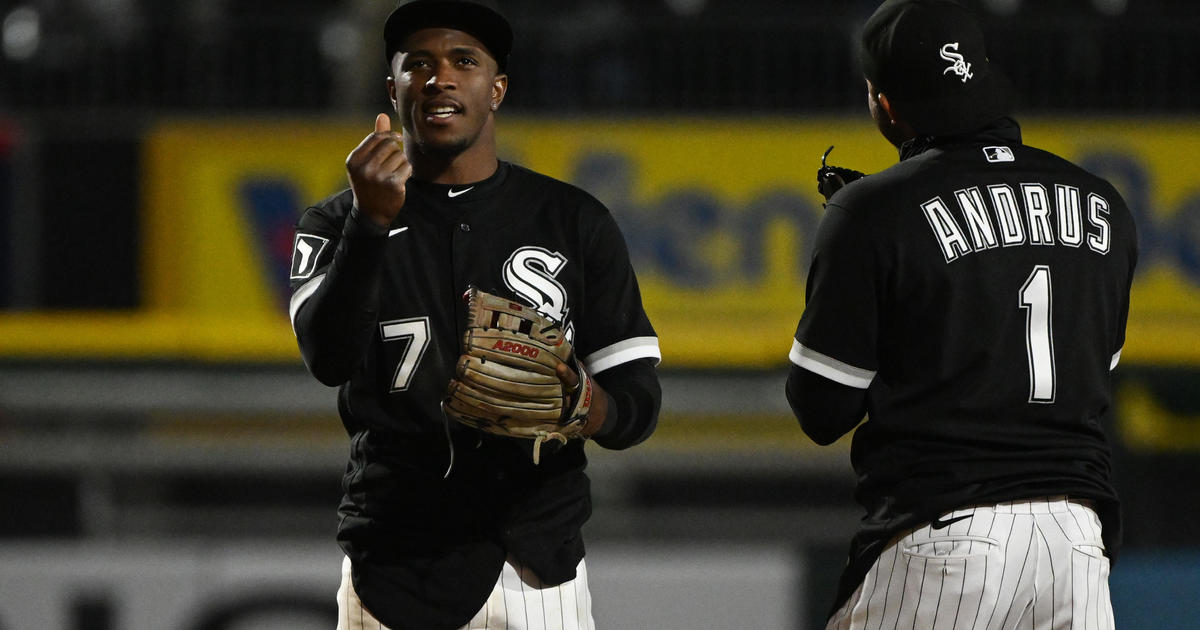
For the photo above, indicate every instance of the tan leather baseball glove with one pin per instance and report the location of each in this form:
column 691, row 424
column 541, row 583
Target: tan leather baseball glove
column 506, row 378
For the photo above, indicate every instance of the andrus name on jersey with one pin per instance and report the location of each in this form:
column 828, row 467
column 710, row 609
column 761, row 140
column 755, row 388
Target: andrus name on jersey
column 1004, row 217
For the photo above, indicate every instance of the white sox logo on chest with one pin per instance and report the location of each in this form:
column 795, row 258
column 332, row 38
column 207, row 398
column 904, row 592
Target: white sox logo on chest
column 531, row 273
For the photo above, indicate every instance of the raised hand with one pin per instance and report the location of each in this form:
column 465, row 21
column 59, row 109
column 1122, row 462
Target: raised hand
column 378, row 170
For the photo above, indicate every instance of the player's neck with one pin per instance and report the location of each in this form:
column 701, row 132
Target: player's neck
column 474, row 164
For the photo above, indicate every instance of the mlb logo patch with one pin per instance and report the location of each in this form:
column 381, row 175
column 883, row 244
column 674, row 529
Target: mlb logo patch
column 998, row 154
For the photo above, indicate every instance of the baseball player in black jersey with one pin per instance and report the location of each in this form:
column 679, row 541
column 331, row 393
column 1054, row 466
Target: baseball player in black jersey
column 445, row 526
column 970, row 302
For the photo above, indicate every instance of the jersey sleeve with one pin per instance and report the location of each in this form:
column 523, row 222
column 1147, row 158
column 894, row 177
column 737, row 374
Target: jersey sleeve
column 336, row 270
column 615, row 340
column 839, row 329
column 1130, row 229
column 315, row 240
column 614, row 328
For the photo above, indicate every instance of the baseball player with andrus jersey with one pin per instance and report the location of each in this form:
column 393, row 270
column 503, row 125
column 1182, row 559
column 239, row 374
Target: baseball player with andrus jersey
column 970, row 302
column 444, row 525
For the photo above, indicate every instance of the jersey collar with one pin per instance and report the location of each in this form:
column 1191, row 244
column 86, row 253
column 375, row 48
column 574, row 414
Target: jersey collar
column 460, row 193
column 1000, row 131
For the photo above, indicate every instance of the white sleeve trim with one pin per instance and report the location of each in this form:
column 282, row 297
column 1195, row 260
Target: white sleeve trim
column 830, row 367
column 1116, row 358
column 623, row 352
column 301, row 296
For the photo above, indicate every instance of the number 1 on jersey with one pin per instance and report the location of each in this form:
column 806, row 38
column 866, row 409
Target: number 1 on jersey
column 1036, row 298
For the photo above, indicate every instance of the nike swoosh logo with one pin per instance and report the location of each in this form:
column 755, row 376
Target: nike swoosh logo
column 939, row 523
column 397, row 231
column 454, row 193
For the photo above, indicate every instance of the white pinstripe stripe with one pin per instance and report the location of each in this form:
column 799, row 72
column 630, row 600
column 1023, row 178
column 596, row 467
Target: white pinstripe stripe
column 1088, row 608
column 548, row 611
column 503, row 602
column 1021, row 576
column 894, row 619
column 1004, row 575
column 1045, row 571
column 963, row 584
column 1012, row 577
column 921, row 589
column 937, row 604
column 578, row 601
column 524, row 599
column 540, row 609
column 984, row 590
column 872, row 594
column 887, row 592
column 875, row 589
column 493, row 615
column 1045, row 544
column 587, row 593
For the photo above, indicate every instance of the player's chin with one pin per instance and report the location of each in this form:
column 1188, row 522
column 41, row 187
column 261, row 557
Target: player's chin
column 442, row 144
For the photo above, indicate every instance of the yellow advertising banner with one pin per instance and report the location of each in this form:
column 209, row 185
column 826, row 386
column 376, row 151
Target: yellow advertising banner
column 717, row 214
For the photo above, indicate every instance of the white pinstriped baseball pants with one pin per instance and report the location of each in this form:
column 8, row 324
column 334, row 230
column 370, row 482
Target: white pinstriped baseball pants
column 1020, row 565
column 515, row 604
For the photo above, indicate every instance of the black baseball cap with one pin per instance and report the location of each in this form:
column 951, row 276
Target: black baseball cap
column 930, row 58
column 481, row 18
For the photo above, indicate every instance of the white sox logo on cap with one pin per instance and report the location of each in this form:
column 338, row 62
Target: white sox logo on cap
column 958, row 65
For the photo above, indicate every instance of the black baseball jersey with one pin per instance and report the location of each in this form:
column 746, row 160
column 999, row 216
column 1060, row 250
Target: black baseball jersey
column 432, row 508
column 978, row 292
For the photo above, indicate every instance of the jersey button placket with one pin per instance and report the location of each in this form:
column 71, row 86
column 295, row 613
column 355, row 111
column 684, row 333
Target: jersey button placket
column 463, row 256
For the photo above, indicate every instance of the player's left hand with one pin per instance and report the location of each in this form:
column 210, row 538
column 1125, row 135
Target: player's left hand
column 599, row 409
column 518, row 376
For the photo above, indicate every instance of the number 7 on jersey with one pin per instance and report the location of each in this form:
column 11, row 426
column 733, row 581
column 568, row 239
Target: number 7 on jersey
column 416, row 332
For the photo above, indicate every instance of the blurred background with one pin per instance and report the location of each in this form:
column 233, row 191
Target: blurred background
column 166, row 462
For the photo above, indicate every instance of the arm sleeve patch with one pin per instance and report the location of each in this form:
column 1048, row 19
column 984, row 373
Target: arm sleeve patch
column 306, row 251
